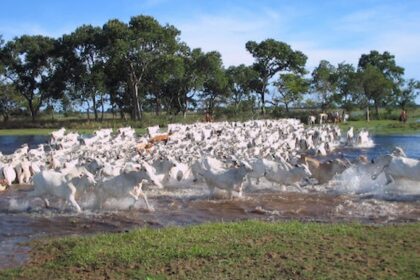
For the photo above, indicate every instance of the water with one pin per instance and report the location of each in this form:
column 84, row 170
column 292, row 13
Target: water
column 9, row 143
column 352, row 196
column 385, row 144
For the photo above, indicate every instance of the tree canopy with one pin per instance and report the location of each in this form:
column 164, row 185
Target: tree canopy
column 142, row 65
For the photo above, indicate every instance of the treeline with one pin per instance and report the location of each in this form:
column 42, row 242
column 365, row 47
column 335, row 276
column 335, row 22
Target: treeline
column 130, row 68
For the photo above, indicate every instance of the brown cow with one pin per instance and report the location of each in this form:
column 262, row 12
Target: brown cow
column 208, row 117
column 324, row 171
column 143, row 147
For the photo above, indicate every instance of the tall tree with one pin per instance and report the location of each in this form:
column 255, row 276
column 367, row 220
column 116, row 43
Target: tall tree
column 386, row 64
column 136, row 46
column 374, row 86
column 240, row 81
column 273, row 57
column 346, row 83
column 216, row 84
column 324, row 83
column 31, row 64
column 291, row 88
column 86, row 63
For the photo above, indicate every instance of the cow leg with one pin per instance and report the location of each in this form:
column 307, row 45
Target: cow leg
column 250, row 180
column 74, row 203
column 388, row 177
column 296, row 185
column 143, row 195
column 135, row 197
column 47, row 203
column 240, row 190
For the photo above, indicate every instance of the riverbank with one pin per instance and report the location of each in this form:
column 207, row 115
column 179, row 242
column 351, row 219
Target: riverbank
column 375, row 127
column 384, row 127
column 243, row 250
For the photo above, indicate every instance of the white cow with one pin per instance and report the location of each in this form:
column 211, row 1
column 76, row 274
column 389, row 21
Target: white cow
column 23, row 172
column 349, row 135
column 311, row 120
column 398, row 167
column 9, row 174
column 323, row 118
column 229, row 179
column 279, row 172
column 128, row 184
column 49, row 182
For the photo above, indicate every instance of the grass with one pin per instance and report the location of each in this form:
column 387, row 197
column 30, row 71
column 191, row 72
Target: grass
column 385, row 127
column 244, row 250
column 79, row 123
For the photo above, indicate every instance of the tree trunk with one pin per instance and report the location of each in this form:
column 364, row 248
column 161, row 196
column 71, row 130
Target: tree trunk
column 136, row 108
column 157, row 106
column 262, row 103
column 32, row 109
column 95, row 110
column 102, row 107
column 286, row 105
column 184, row 111
column 377, row 111
column 367, row 114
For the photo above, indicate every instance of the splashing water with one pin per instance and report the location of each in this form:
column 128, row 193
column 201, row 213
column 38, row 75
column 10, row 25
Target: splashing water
column 358, row 180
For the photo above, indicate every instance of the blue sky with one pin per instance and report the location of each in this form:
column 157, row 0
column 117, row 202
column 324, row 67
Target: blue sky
column 339, row 30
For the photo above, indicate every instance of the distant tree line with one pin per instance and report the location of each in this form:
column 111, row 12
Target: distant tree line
column 130, row 68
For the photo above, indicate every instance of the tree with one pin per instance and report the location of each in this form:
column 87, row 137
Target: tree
column 374, row 86
column 291, row 88
column 386, row 64
column 163, row 78
column 31, row 65
column 407, row 94
column 10, row 101
column 324, row 83
column 136, row 46
column 83, row 53
column 273, row 57
column 346, row 85
column 240, row 78
column 216, row 86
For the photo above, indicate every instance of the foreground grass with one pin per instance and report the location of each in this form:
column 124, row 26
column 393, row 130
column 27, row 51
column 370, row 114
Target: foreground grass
column 245, row 250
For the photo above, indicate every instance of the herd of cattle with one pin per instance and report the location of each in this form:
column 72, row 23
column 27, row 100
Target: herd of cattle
column 222, row 155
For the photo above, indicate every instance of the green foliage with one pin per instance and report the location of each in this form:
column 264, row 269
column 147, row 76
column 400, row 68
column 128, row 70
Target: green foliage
column 271, row 58
column 30, row 65
column 136, row 67
column 324, row 83
column 406, row 95
column 291, row 88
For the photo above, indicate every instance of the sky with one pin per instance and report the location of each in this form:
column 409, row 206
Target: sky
column 336, row 30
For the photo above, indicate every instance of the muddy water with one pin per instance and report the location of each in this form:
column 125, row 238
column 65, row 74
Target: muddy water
column 22, row 220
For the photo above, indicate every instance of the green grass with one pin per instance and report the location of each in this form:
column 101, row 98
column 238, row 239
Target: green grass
column 44, row 126
column 244, row 250
column 385, row 127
